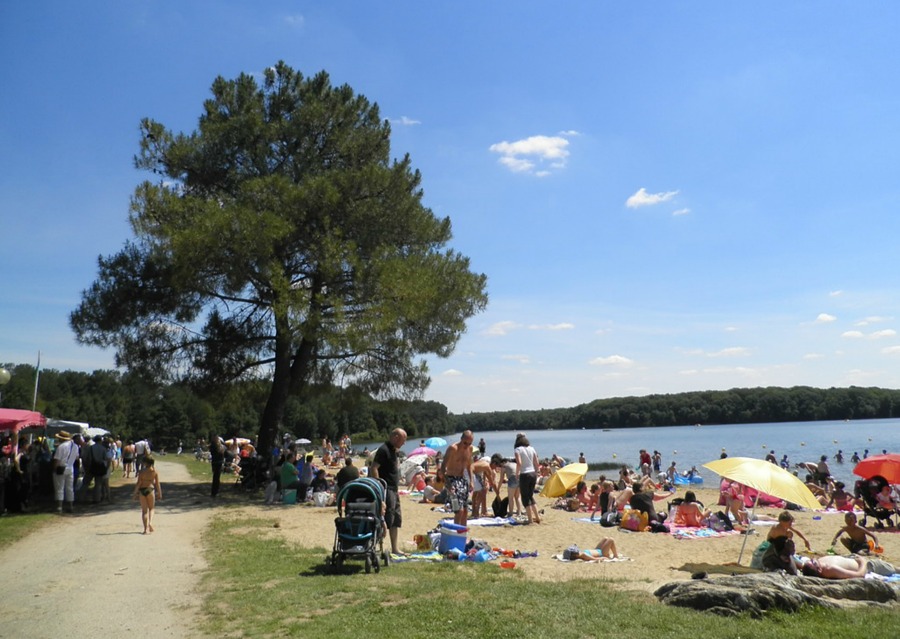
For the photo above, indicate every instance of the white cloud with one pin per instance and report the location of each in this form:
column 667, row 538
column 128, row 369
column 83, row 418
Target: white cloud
column 680, row 212
column 813, row 356
column 295, row 20
column 835, row 293
column 891, row 350
column 564, row 326
column 825, row 318
column 405, row 121
column 612, row 360
column 734, row 351
column 888, row 332
column 570, row 133
column 522, row 156
column 451, row 372
column 873, row 319
column 522, row 359
column 642, row 198
column 501, row 328
column 852, row 334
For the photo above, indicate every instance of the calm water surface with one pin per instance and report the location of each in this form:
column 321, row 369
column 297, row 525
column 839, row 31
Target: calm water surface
column 695, row 445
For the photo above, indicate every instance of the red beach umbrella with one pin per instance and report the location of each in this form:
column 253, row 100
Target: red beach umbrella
column 888, row 466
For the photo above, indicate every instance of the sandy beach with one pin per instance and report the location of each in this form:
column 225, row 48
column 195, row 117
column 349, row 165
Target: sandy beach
column 654, row 559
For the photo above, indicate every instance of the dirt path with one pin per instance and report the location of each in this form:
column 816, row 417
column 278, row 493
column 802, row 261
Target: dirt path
column 95, row 574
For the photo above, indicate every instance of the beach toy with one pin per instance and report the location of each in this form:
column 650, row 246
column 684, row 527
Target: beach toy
column 507, row 564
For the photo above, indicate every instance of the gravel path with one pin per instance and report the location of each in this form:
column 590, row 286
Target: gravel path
column 94, row 573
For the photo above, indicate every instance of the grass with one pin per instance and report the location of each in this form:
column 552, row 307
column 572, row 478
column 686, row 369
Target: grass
column 278, row 590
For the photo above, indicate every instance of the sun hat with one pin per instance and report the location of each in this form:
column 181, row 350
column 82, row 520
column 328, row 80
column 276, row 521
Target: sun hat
column 63, row 436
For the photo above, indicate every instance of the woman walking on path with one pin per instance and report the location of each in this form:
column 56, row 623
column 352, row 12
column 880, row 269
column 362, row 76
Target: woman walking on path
column 526, row 468
column 146, row 486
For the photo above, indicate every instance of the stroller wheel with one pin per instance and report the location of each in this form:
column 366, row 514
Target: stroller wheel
column 387, row 558
column 376, row 564
column 368, row 564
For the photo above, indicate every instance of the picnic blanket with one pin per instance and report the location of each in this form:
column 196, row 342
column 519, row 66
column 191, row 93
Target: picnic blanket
column 488, row 521
column 429, row 555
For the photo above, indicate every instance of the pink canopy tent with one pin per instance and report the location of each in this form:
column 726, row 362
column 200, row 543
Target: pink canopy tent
column 15, row 420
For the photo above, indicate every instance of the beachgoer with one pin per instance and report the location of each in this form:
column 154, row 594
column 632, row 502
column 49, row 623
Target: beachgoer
column 506, row 472
column 217, row 463
column 657, row 461
column 840, row 567
column 734, row 502
column 671, row 472
column 482, row 478
column 855, row 541
column 690, row 512
column 482, row 447
column 855, row 457
column 885, row 499
column 606, row 503
column 386, row 466
column 526, row 469
column 841, row 499
column 581, row 458
column 839, row 457
column 642, row 501
column 127, row 459
column 771, row 457
column 822, row 470
column 64, row 469
column 785, row 463
column 346, row 474
column 785, row 528
column 456, row 471
column 147, row 488
column 605, row 549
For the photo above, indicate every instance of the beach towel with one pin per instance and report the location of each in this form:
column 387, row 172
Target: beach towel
column 598, row 560
column 689, row 532
column 487, row 521
column 430, row 555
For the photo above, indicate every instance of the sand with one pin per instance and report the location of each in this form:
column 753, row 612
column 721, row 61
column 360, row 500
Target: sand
column 655, row 559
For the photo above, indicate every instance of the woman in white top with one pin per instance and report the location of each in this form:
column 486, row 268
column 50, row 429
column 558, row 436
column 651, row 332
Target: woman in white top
column 526, row 468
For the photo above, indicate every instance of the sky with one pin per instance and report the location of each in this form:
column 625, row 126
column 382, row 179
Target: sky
column 664, row 196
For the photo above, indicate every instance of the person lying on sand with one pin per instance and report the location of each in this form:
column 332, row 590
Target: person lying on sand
column 852, row 567
column 606, row 549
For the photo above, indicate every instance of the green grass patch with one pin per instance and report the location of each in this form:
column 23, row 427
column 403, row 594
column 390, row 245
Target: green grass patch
column 19, row 526
column 261, row 586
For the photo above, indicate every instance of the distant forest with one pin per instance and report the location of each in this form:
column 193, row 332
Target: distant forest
column 130, row 407
column 735, row 406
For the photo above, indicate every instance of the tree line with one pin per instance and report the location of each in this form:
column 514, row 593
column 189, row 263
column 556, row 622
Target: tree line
column 131, row 406
column 735, row 406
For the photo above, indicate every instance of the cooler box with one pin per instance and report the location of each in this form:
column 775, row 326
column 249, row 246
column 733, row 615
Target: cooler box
column 289, row 497
column 453, row 536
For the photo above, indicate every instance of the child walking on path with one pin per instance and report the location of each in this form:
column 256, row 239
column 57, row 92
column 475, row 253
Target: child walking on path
column 148, row 489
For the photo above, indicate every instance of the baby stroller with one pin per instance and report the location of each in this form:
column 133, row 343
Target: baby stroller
column 866, row 490
column 359, row 526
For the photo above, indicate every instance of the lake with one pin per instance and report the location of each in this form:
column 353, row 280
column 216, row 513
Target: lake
column 695, row 445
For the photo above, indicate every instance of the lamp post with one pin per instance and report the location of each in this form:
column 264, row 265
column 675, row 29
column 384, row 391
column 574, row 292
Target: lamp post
column 4, row 380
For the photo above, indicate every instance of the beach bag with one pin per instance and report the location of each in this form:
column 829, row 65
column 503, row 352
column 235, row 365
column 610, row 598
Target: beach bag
column 756, row 558
column 658, row 527
column 610, row 519
column 634, row 520
column 500, row 506
column 571, row 553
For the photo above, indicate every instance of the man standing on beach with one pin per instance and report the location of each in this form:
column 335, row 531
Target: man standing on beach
column 386, row 466
column 456, row 471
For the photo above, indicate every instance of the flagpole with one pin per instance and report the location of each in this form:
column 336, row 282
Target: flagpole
column 37, row 378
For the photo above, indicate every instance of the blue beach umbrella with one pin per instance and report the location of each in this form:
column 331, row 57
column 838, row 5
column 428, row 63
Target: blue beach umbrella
column 435, row 442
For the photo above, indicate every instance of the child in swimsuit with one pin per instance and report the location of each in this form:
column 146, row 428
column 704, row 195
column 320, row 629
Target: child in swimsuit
column 855, row 541
column 147, row 484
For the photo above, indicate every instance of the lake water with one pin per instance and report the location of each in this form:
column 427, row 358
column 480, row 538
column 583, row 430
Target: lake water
column 695, row 445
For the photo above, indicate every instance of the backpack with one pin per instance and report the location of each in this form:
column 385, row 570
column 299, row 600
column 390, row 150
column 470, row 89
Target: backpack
column 500, row 506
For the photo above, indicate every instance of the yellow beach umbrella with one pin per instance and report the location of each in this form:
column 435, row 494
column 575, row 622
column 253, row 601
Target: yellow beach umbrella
column 564, row 479
column 765, row 477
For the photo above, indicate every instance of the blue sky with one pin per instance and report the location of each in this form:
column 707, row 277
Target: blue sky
column 665, row 197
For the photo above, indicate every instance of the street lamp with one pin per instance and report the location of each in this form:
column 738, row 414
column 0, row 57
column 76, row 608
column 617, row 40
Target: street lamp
column 4, row 380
